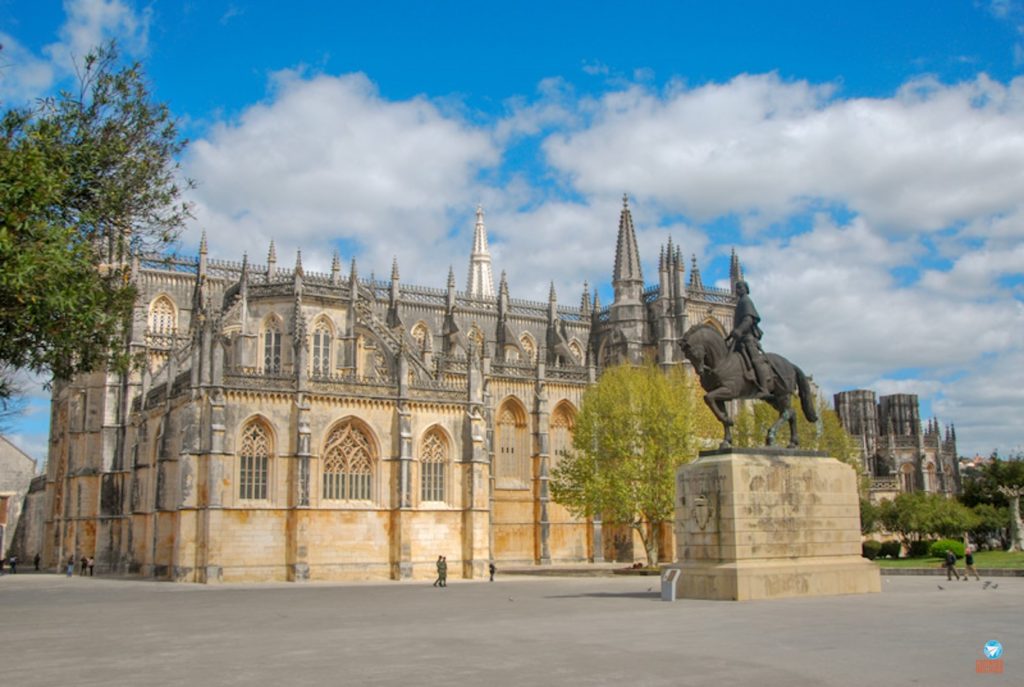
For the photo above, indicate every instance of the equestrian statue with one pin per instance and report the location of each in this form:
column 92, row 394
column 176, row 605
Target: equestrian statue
column 735, row 367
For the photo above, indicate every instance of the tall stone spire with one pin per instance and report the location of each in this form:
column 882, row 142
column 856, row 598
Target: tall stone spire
column 695, row 281
column 627, row 314
column 336, row 269
column 271, row 262
column 627, row 278
column 735, row 271
column 481, row 280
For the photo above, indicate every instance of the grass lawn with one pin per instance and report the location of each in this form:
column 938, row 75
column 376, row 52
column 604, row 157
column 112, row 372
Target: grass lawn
column 982, row 559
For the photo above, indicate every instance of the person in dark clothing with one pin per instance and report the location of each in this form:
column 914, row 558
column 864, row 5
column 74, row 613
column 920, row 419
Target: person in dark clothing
column 490, row 569
column 440, row 562
column 969, row 564
column 951, row 565
column 36, row 561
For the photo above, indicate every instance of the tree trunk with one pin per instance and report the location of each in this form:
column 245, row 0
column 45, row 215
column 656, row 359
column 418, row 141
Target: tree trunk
column 1016, row 526
column 649, row 536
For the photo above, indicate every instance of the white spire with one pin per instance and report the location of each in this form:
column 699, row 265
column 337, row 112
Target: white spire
column 481, row 281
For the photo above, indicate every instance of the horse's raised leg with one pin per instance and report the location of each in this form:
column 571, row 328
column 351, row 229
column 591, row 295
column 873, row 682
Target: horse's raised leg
column 785, row 414
column 721, row 412
column 794, row 438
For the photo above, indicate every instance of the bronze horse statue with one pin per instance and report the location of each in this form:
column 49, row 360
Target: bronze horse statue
column 724, row 377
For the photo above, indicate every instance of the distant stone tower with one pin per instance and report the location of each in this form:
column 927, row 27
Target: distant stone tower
column 480, row 283
column 897, row 453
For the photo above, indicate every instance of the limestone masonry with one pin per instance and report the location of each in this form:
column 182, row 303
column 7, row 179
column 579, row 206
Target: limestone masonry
column 290, row 425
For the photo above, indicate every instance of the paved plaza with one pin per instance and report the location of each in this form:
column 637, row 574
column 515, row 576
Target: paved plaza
column 516, row 631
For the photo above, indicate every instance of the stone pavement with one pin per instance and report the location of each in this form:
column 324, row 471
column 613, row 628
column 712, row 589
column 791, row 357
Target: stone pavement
column 516, row 631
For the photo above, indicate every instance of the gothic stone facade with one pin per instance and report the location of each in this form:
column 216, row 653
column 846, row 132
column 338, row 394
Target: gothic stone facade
column 897, row 453
column 16, row 472
column 290, row 425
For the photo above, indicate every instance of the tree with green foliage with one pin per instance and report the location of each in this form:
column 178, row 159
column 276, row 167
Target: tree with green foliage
column 918, row 515
column 869, row 516
column 86, row 178
column 993, row 522
column 999, row 483
column 636, row 426
column 1008, row 476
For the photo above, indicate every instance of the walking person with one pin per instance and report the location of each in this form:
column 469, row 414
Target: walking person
column 969, row 564
column 440, row 562
column 91, row 563
column 490, row 569
column 85, row 566
column 71, row 566
column 443, row 571
column 36, row 561
column 951, row 565
column 13, row 562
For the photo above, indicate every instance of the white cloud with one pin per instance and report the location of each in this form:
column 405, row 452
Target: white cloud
column 88, row 24
column 23, row 76
column 327, row 159
column 830, row 304
column 922, row 160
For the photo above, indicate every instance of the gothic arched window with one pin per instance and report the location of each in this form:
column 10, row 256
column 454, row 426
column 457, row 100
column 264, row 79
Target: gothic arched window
column 421, row 335
column 433, row 465
column 322, row 348
column 562, row 425
column 254, row 461
column 526, row 341
column 477, row 337
column 163, row 316
column 577, row 351
column 348, row 464
column 512, row 469
column 272, row 345
column 907, row 477
column 930, row 485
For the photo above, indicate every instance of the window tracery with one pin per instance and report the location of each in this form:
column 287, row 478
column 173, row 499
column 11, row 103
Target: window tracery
column 322, row 341
column 433, row 465
column 163, row 317
column 254, row 462
column 272, row 345
column 348, row 465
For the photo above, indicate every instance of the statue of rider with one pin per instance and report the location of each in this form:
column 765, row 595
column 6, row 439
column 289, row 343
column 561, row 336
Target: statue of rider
column 745, row 338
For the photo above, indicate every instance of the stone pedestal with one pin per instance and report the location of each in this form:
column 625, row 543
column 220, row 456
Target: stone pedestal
column 768, row 523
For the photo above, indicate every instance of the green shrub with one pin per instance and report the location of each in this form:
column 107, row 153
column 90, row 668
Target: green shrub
column 919, row 549
column 890, row 549
column 938, row 549
column 870, row 549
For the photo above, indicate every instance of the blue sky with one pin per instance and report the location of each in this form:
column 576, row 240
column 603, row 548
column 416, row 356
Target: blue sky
column 865, row 159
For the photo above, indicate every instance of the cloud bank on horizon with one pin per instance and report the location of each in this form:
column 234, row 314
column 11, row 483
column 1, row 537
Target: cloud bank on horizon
column 883, row 235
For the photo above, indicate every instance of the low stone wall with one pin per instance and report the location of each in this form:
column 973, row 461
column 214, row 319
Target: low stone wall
column 984, row 572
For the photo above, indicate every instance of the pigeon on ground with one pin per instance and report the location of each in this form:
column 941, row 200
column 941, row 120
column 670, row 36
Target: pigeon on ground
column 940, row 586
column 986, row 585
column 995, row 586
